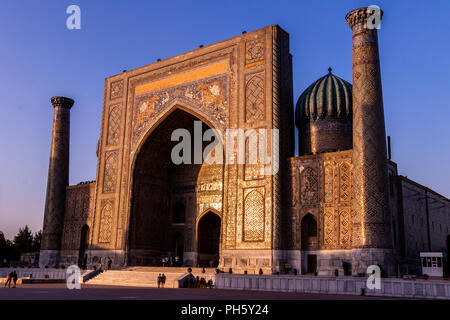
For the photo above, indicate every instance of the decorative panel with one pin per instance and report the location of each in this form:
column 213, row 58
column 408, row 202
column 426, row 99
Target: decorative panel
column 254, row 51
column 113, row 126
column 344, row 182
column 309, row 186
column 116, row 89
column 344, row 227
column 328, row 227
column 328, row 187
column 253, row 217
column 106, row 222
column 109, row 180
column 255, row 98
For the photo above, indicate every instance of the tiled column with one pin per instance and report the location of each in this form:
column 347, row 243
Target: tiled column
column 58, row 180
column 370, row 209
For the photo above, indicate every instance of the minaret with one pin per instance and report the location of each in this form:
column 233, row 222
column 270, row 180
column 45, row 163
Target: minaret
column 370, row 209
column 58, row 180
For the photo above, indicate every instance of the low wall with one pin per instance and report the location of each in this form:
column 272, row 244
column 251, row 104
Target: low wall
column 35, row 272
column 390, row 287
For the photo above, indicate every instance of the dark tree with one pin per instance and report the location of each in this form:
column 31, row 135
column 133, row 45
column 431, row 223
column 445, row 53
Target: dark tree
column 23, row 242
column 36, row 245
column 6, row 249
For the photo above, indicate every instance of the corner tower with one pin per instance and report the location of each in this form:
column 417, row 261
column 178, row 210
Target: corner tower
column 370, row 210
column 58, row 180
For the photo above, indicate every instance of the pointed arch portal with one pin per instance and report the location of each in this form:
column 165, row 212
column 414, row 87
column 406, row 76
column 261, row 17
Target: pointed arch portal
column 165, row 196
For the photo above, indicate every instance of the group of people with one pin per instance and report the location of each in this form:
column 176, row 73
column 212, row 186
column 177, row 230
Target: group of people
column 12, row 276
column 171, row 261
column 161, row 280
column 199, row 283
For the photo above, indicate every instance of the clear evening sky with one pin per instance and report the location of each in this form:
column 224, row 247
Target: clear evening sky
column 41, row 58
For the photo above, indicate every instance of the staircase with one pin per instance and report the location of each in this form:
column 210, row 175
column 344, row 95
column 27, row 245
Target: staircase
column 146, row 276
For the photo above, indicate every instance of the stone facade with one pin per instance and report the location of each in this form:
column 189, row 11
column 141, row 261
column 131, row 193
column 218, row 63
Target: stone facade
column 337, row 207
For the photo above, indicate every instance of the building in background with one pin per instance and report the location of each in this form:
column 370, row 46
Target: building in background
column 339, row 205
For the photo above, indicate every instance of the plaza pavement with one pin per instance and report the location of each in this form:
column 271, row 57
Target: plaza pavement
column 99, row 292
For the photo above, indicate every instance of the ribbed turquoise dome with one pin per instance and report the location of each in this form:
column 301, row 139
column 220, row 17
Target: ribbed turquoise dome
column 323, row 116
column 328, row 97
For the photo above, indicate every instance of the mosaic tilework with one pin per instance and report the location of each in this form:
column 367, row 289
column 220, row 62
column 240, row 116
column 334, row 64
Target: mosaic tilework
column 110, row 177
column 309, row 192
column 254, row 98
column 104, row 235
column 254, row 51
column 370, row 214
column 254, row 217
column 344, row 227
column 116, row 90
column 328, row 188
column 344, row 182
column 113, row 126
column 209, row 96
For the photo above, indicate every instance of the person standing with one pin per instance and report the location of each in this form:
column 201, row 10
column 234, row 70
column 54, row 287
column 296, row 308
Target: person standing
column 159, row 280
column 163, row 280
column 8, row 280
column 109, row 263
column 14, row 276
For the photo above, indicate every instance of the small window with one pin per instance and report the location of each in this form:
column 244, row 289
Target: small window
column 434, row 262
column 424, row 262
column 428, row 262
column 439, row 262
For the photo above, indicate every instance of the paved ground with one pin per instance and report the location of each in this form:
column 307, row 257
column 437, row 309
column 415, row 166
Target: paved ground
column 97, row 292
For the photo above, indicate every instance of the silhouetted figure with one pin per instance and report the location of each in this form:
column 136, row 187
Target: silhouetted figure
column 14, row 277
column 159, row 280
column 163, row 280
column 260, row 271
column 8, row 280
column 109, row 263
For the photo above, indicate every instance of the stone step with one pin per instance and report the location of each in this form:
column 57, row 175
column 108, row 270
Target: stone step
column 146, row 276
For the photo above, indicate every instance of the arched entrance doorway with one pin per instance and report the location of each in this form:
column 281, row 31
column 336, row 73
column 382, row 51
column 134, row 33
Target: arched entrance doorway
column 208, row 244
column 84, row 238
column 166, row 194
column 309, row 241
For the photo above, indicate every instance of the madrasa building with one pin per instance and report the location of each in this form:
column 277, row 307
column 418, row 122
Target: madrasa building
column 340, row 204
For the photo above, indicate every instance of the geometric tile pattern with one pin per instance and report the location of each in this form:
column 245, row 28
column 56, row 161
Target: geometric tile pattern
column 328, row 227
column 113, row 126
column 344, row 227
column 309, row 186
column 254, row 51
column 254, row 98
column 109, row 180
column 344, row 182
column 106, row 222
column 116, row 89
column 328, row 188
column 253, row 217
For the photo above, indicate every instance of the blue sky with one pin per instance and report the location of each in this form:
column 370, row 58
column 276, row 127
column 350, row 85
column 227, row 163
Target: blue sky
column 41, row 58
